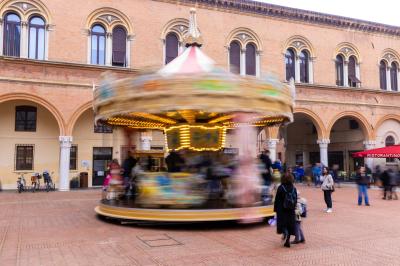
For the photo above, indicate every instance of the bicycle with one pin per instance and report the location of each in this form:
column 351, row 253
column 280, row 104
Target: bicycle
column 35, row 182
column 21, row 183
column 49, row 185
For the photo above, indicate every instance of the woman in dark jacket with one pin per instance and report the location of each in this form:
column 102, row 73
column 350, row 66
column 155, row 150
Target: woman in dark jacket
column 285, row 217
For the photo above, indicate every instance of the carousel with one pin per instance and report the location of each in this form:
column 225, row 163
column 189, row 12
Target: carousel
column 196, row 104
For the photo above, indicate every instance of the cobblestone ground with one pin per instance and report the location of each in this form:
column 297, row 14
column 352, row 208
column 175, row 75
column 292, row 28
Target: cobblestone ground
column 61, row 228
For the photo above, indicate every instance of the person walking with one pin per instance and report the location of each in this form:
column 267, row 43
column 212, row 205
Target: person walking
column 316, row 171
column 385, row 184
column 362, row 180
column 284, row 207
column 327, row 187
column 392, row 185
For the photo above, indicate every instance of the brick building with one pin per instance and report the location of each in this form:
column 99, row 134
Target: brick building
column 52, row 53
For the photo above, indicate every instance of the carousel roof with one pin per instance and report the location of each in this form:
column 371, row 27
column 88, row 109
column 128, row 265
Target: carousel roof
column 192, row 89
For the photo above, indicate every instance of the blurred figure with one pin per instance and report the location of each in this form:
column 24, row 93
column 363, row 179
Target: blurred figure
column 385, row 183
column 316, row 171
column 327, row 187
column 362, row 180
column 277, row 165
column 301, row 211
column 308, row 174
column 150, row 163
column 377, row 173
column 300, row 173
column 127, row 166
column 174, row 162
column 266, row 173
column 392, row 185
column 335, row 174
column 284, row 207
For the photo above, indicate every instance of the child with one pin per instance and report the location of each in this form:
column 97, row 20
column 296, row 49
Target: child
column 301, row 211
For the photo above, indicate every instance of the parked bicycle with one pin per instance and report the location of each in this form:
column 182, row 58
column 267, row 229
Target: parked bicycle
column 21, row 183
column 49, row 185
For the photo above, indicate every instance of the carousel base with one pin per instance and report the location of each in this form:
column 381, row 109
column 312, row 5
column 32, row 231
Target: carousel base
column 183, row 215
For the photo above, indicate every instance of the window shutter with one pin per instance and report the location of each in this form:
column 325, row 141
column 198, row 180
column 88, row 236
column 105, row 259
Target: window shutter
column 119, row 46
column 250, row 60
column 171, row 47
column 234, row 57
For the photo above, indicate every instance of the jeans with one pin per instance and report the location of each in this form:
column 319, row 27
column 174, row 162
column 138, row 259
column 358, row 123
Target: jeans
column 328, row 198
column 299, row 232
column 363, row 189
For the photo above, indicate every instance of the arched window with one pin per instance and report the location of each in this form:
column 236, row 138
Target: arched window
column 353, row 80
column 339, row 70
column 171, row 47
column 36, row 38
column 304, row 60
column 389, row 141
column 234, row 57
column 98, row 43
column 250, row 59
column 12, row 35
column 119, row 46
column 382, row 75
column 393, row 77
column 290, row 64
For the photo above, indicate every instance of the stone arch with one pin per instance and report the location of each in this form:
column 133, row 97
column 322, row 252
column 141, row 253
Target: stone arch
column 75, row 116
column 389, row 56
column 25, row 9
column 383, row 119
column 299, row 43
column 179, row 26
column 244, row 36
column 366, row 127
column 347, row 49
column 319, row 125
column 109, row 18
column 39, row 100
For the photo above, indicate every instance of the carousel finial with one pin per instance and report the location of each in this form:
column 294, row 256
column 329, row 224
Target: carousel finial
column 193, row 37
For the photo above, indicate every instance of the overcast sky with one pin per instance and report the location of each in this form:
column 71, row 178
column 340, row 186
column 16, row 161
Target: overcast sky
column 383, row 11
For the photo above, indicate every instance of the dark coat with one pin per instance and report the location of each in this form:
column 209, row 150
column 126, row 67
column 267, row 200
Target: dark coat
column 362, row 179
column 285, row 219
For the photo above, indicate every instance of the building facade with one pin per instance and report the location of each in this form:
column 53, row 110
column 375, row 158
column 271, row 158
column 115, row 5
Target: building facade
column 52, row 54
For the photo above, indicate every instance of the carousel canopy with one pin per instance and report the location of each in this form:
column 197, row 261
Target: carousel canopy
column 385, row 152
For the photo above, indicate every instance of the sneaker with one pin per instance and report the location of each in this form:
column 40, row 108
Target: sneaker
column 329, row 210
column 367, row 204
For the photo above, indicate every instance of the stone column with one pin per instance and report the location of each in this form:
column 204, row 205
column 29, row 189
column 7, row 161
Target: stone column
column 358, row 74
column 46, row 39
column 24, row 40
column 311, row 71
column 228, row 58
column 65, row 145
column 271, row 144
column 323, row 150
column 108, row 49
column 1, row 36
column 297, row 69
column 129, row 40
column 258, row 64
column 369, row 144
column 346, row 73
column 89, row 47
column 243, row 62
column 398, row 80
column 388, row 83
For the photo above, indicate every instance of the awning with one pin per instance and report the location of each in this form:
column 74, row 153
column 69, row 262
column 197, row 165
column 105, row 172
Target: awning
column 385, row 152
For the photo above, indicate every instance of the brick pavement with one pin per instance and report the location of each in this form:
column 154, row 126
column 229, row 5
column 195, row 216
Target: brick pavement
column 61, row 228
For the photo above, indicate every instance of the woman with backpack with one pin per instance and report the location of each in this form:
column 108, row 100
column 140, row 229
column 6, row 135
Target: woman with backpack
column 284, row 207
column 327, row 187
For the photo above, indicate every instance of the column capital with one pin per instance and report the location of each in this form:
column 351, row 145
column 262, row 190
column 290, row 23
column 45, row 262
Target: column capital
column 271, row 143
column 109, row 34
column 65, row 141
column 323, row 141
column 369, row 144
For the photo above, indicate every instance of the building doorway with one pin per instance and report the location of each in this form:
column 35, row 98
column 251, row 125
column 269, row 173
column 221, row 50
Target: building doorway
column 102, row 156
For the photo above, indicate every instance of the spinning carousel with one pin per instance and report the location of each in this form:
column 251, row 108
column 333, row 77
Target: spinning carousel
column 195, row 103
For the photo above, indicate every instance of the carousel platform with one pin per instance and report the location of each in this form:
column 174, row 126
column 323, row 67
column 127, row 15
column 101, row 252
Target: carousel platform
column 182, row 215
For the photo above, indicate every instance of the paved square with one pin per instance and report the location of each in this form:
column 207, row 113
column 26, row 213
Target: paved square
column 61, row 228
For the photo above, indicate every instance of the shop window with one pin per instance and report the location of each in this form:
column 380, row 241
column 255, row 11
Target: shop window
column 389, row 141
column 119, row 47
column 24, row 157
column 98, row 45
column 234, row 57
column 339, row 70
column 36, row 38
column 382, row 75
column 12, row 35
column 250, row 59
column 171, row 47
column 25, row 118
column 290, row 64
column 73, row 157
